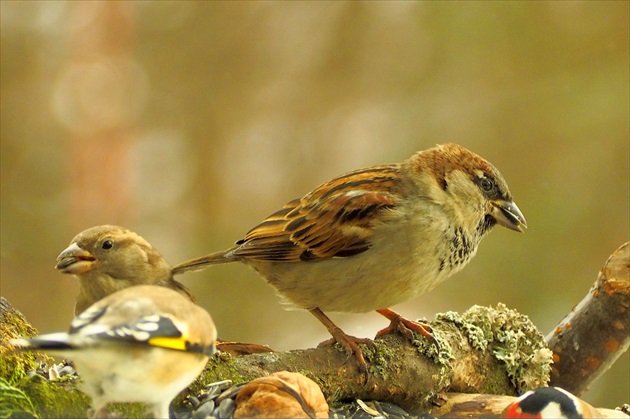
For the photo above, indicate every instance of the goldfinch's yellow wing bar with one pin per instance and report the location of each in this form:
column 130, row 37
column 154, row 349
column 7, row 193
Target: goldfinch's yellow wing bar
column 155, row 330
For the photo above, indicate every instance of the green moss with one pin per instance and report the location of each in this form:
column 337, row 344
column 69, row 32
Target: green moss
column 14, row 325
column 513, row 339
column 477, row 336
column 14, row 402
column 129, row 410
column 54, row 399
column 379, row 359
column 224, row 367
column 61, row 399
column 15, row 366
column 439, row 351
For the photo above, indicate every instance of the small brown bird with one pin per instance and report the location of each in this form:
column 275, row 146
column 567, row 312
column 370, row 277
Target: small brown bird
column 109, row 258
column 142, row 344
column 376, row 237
column 550, row 403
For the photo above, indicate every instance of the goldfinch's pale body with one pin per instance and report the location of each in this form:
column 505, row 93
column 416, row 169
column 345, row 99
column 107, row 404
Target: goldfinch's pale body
column 142, row 344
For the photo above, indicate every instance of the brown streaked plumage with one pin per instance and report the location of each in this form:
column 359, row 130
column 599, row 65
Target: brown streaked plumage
column 327, row 222
column 109, row 258
column 377, row 236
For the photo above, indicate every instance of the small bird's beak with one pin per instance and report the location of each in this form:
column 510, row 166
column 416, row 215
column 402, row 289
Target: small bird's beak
column 508, row 215
column 74, row 260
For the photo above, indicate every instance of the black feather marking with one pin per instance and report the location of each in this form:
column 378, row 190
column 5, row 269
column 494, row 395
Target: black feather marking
column 281, row 213
column 308, row 255
column 37, row 343
column 88, row 316
column 351, row 251
column 486, row 225
column 461, row 247
column 258, row 249
column 202, row 349
column 541, row 397
column 143, row 330
column 295, row 224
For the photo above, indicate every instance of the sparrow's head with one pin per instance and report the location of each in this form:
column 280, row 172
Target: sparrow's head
column 115, row 252
column 468, row 186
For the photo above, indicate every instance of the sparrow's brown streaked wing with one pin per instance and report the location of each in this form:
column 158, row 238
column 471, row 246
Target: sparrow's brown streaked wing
column 335, row 220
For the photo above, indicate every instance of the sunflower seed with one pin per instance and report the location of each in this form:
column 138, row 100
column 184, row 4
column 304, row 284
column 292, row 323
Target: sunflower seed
column 205, row 410
column 226, row 408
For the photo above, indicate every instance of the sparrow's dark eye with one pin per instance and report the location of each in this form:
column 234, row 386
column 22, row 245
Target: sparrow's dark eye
column 107, row 244
column 487, row 184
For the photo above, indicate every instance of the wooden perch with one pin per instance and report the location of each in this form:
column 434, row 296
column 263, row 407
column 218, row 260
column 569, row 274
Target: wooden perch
column 597, row 331
column 485, row 350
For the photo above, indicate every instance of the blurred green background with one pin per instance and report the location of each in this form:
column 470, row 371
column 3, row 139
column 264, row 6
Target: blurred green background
column 189, row 122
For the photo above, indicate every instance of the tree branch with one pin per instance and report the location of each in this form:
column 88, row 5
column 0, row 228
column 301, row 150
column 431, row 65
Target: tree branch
column 485, row 350
column 597, row 331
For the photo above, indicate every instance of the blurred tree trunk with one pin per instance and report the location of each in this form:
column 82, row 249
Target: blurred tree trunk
column 97, row 104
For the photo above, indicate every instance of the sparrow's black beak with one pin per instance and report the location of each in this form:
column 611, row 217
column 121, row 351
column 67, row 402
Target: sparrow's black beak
column 508, row 215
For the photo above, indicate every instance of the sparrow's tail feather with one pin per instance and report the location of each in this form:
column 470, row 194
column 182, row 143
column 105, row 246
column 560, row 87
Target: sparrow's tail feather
column 223, row 256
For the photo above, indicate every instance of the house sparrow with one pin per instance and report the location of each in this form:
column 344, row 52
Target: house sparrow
column 550, row 403
column 108, row 258
column 141, row 344
column 376, row 237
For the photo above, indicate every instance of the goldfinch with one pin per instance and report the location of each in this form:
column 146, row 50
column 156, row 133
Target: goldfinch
column 141, row 344
column 109, row 258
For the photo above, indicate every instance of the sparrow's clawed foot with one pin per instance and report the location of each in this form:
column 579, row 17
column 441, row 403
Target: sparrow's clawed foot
column 406, row 327
column 349, row 343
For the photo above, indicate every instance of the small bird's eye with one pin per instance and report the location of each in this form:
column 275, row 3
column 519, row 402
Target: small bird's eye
column 486, row 184
column 107, row 244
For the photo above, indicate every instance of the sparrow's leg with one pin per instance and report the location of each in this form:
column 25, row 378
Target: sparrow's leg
column 404, row 326
column 350, row 343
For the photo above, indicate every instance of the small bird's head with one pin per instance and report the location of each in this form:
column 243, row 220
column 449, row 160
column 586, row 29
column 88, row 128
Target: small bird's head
column 108, row 258
column 549, row 403
column 115, row 252
column 469, row 187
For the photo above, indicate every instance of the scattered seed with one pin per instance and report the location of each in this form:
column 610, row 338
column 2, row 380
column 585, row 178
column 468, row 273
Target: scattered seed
column 230, row 392
column 194, row 401
column 205, row 410
column 226, row 409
